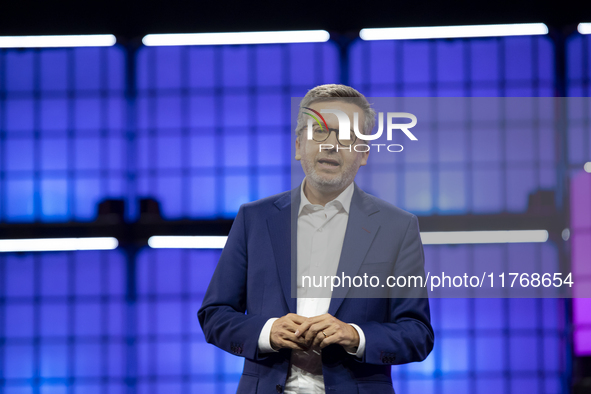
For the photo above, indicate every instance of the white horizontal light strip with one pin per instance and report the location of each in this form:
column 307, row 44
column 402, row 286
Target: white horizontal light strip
column 587, row 167
column 429, row 32
column 254, row 37
column 428, row 238
column 57, row 244
column 584, row 28
column 483, row 237
column 188, row 242
column 96, row 40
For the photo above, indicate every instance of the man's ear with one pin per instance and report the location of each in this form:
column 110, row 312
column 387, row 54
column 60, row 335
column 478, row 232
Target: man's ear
column 297, row 148
column 364, row 157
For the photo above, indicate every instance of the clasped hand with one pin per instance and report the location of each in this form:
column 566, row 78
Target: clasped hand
column 297, row 332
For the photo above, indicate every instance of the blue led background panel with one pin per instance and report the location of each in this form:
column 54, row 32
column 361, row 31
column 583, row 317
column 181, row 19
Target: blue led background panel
column 579, row 74
column 505, row 155
column 63, row 321
column 171, row 348
column 578, row 65
column 208, row 129
column 473, row 155
column 579, row 152
column 482, row 67
column 213, row 122
column 62, row 119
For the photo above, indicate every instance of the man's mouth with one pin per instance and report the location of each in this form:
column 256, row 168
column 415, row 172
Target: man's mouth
column 330, row 162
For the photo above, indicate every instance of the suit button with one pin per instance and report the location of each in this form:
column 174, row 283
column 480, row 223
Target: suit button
column 279, row 388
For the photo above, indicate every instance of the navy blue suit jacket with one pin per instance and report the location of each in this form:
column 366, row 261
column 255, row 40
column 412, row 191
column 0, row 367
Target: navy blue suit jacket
column 254, row 278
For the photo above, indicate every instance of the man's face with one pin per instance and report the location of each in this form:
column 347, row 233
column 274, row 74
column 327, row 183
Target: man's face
column 329, row 170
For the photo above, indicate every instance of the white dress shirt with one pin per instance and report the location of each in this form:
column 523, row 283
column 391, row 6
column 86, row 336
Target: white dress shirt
column 321, row 232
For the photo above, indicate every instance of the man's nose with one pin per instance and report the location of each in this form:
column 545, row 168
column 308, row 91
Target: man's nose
column 332, row 138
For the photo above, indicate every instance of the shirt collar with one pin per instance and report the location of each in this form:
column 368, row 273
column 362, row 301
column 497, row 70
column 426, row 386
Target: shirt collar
column 344, row 198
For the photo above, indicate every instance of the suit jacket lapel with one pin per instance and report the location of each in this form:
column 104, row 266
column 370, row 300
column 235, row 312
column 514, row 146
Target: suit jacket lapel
column 283, row 233
column 360, row 232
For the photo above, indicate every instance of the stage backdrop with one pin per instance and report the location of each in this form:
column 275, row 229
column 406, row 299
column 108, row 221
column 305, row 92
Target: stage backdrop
column 205, row 129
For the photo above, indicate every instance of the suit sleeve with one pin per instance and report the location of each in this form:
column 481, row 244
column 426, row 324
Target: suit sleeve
column 222, row 314
column 407, row 335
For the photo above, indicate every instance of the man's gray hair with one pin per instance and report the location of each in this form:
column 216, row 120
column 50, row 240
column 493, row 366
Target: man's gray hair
column 334, row 92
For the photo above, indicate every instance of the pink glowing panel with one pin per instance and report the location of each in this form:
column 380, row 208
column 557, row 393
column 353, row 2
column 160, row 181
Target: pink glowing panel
column 583, row 341
column 581, row 252
column 581, row 309
column 581, row 260
column 580, row 199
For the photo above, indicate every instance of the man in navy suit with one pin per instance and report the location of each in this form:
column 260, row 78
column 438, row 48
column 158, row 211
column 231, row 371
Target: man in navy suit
column 320, row 340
